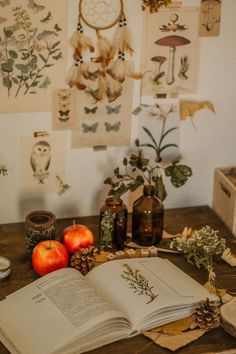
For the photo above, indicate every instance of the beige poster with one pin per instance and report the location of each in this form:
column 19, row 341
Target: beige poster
column 210, row 13
column 33, row 51
column 43, row 162
column 64, row 109
column 170, row 51
column 103, row 123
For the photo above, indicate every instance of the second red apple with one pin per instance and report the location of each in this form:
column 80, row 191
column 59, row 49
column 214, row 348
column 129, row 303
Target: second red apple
column 77, row 236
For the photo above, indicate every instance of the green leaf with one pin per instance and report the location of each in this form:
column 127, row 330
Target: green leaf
column 150, row 136
column 45, row 83
column 13, row 54
column 7, row 82
column 43, row 58
column 55, row 45
column 137, row 110
column 167, row 146
column 58, row 56
column 166, row 133
column 160, row 188
column 7, row 67
column 179, row 174
column 108, row 180
column 14, row 80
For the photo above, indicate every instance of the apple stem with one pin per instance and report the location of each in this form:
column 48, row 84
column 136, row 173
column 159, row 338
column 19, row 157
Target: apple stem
column 74, row 224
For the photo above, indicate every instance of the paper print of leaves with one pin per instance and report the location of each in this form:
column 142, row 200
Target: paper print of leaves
column 27, row 53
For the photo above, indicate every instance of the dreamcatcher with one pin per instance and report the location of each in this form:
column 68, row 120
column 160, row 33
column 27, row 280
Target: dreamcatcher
column 112, row 67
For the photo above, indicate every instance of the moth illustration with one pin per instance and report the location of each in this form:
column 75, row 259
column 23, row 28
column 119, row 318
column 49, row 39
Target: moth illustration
column 112, row 127
column 90, row 128
column 4, row 3
column 35, row 7
column 64, row 97
column 63, row 119
column 57, row 28
column 47, row 18
column 115, row 110
column 64, row 113
column 90, row 110
column 40, row 157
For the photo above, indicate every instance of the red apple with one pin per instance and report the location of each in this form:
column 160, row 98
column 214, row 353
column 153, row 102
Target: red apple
column 48, row 256
column 77, row 236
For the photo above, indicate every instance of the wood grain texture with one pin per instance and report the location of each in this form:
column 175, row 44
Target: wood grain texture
column 12, row 246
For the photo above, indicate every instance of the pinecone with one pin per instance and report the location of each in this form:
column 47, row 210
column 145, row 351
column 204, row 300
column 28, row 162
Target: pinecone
column 84, row 259
column 207, row 314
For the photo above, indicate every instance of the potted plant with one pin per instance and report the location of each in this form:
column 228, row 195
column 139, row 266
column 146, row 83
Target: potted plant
column 141, row 170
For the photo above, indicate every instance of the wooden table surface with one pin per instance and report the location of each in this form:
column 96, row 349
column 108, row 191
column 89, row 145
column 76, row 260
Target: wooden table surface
column 12, row 246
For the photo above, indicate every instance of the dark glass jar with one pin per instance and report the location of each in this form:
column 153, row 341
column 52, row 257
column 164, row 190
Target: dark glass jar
column 147, row 218
column 113, row 225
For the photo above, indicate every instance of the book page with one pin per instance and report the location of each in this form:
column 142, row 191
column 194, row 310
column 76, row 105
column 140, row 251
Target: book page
column 54, row 310
column 149, row 291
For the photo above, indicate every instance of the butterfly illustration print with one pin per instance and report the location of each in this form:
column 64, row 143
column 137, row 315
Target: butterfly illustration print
column 47, row 18
column 35, row 7
column 64, row 113
column 64, row 97
column 112, row 127
column 63, row 119
column 90, row 128
column 90, row 110
column 113, row 110
column 57, row 28
column 4, row 3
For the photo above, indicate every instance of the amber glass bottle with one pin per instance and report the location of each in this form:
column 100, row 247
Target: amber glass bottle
column 147, row 218
column 113, row 225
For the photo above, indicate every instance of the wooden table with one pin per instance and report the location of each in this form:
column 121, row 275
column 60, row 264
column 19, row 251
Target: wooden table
column 12, row 245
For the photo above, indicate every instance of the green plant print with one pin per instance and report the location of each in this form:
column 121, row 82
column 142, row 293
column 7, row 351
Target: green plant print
column 26, row 55
column 138, row 283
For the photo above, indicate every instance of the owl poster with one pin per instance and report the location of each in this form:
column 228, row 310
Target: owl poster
column 33, row 53
column 43, row 162
column 170, row 50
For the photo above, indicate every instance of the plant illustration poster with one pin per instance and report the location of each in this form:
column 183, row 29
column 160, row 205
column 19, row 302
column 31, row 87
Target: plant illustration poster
column 170, row 51
column 103, row 123
column 43, row 162
column 64, row 109
column 210, row 14
column 33, row 43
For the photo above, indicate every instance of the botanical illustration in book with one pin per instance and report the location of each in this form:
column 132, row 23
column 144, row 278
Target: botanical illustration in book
column 170, row 51
column 43, row 162
column 64, row 109
column 138, row 283
column 32, row 53
column 101, row 46
column 210, row 14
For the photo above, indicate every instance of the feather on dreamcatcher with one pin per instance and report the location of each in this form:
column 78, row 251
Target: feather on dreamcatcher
column 109, row 55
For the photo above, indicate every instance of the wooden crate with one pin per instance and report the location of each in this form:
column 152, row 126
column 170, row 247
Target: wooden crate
column 224, row 196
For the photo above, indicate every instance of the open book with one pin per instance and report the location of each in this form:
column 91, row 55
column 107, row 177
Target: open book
column 65, row 312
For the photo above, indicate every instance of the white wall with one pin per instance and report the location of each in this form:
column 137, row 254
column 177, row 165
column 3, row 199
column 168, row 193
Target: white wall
column 213, row 145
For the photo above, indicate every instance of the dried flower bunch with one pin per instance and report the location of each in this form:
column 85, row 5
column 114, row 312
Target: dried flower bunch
column 200, row 247
column 140, row 170
column 154, row 5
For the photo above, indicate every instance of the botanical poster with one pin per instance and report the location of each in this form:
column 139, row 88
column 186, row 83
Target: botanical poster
column 64, row 109
column 162, row 120
column 210, row 13
column 170, row 51
column 103, row 123
column 33, row 43
column 43, row 162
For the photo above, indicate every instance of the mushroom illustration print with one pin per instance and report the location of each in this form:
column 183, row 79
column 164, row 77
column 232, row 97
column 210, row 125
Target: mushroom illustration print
column 172, row 42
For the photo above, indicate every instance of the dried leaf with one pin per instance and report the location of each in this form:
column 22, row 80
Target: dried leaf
column 175, row 327
column 174, row 342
